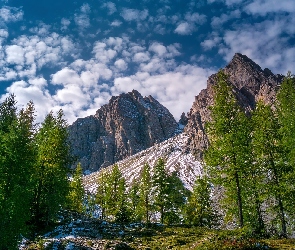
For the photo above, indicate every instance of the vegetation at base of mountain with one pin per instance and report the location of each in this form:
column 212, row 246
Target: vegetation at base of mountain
column 251, row 158
column 98, row 234
column 157, row 197
column 34, row 171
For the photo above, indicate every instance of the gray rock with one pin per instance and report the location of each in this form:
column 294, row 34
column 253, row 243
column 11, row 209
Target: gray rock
column 128, row 124
column 251, row 84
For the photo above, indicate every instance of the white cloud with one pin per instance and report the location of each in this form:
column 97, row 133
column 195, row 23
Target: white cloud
column 41, row 30
column 134, row 14
column 66, row 76
column 33, row 91
column 195, row 18
column 85, row 8
column 141, row 57
column 158, row 48
column 10, row 14
column 103, row 54
column 213, row 41
column 65, row 23
column 218, row 22
column 116, row 23
column 184, row 28
column 175, row 90
column 263, row 7
column 111, row 7
column 263, row 43
column 82, row 19
column 15, row 54
column 121, row 64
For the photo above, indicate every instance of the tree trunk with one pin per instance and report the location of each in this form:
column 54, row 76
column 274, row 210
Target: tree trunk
column 239, row 200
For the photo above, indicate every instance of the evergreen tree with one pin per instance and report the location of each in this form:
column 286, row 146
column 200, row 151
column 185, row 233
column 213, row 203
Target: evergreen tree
column 267, row 151
column 146, row 192
column 76, row 193
column 199, row 208
column 51, row 171
column 160, row 189
column 134, row 202
column 101, row 193
column 17, row 158
column 227, row 155
column 115, row 193
column 177, row 196
column 286, row 116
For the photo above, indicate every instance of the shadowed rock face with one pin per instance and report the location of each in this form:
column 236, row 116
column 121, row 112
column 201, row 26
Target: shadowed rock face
column 251, row 84
column 128, row 124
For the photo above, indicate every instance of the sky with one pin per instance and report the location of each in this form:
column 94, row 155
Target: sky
column 75, row 54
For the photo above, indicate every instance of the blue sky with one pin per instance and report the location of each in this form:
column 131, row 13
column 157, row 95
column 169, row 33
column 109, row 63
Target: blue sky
column 75, row 55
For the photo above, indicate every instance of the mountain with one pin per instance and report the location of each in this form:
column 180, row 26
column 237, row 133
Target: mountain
column 250, row 83
column 128, row 124
column 173, row 151
column 184, row 152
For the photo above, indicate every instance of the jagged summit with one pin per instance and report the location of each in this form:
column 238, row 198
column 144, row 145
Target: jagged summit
column 128, row 124
column 251, row 84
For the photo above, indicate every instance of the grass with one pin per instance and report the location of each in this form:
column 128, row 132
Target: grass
column 158, row 237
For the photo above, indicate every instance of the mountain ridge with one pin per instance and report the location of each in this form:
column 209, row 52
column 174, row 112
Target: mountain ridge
column 128, row 124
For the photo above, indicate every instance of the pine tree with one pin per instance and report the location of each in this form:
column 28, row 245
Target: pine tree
column 267, row 150
column 146, row 192
column 134, row 202
column 17, row 158
column 227, row 157
column 177, row 196
column 160, row 189
column 286, row 116
column 76, row 193
column 115, row 193
column 101, row 193
column 51, row 171
column 199, row 208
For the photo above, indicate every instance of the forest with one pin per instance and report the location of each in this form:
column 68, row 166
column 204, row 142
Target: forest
column 249, row 162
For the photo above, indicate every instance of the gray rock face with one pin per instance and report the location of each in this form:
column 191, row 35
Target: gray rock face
column 251, row 84
column 128, row 124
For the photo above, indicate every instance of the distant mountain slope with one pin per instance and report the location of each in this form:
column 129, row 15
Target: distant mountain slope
column 128, row 124
column 173, row 151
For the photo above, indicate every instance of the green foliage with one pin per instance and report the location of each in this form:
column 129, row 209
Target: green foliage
column 228, row 152
column 101, row 194
column 168, row 194
column 77, row 192
column 134, row 202
column 51, row 185
column 199, row 209
column 160, row 188
column 17, row 158
column 111, row 196
column 286, row 117
column 145, row 193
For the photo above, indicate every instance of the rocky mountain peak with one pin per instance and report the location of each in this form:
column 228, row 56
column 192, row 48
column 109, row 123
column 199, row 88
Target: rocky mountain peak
column 128, row 124
column 250, row 83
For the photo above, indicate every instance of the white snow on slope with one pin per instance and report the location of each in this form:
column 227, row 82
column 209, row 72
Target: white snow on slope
column 173, row 151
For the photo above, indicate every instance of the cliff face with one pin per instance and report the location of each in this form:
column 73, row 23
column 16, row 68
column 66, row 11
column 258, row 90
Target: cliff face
column 251, row 84
column 128, row 124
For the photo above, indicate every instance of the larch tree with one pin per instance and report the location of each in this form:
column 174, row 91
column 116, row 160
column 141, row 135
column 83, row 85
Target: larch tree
column 51, row 171
column 226, row 157
column 76, row 192
column 199, row 209
column 268, row 151
column 146, row 192
column 160, row 189
column 17, row 158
